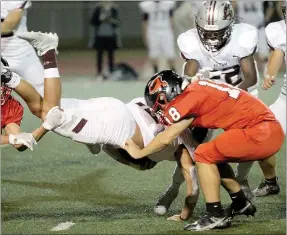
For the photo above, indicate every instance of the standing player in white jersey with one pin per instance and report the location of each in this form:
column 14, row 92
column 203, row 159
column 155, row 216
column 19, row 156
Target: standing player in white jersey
column 276, row 38
column 252, row 12
column 106, row 121
column 19, row 53
column 158, row 32
column 225, row 51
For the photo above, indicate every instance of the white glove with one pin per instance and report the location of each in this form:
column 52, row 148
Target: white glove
column 26, row 139
column 54, row 118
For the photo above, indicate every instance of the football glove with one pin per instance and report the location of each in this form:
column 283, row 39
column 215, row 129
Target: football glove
column 54, row 118
column 23, row 138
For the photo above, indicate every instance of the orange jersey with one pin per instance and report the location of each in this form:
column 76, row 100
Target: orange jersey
column 11, row 112
column 217, row 105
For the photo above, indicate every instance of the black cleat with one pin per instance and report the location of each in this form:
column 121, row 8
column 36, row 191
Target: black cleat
column 265, row 189
column 207, row 222
column 248, row 209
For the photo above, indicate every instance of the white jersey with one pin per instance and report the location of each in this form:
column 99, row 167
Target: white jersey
column 14, row 46
column 158, row 13
column 150, row 128
column 251, row 12
column 102, row 120
column 243, row 42
column 276, row 38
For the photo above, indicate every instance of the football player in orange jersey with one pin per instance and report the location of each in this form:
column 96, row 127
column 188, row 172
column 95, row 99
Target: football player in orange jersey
column 252, row 133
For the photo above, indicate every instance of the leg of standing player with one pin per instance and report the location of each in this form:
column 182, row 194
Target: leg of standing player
column 270, row 185
column 231, row 145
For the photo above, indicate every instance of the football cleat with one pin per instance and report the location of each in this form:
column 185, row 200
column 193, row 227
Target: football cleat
column 265, row 189
column 165, row 201
column 42, row 42
column 247, row 190
column 207, row 222
column 248, row 209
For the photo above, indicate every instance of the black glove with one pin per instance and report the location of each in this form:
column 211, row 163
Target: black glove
column 6, row 73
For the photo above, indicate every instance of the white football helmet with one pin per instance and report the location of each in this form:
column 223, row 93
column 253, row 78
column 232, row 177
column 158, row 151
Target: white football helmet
column 214, row 22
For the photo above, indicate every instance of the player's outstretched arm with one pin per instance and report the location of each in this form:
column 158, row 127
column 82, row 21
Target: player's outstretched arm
column 162, row 140
column 20, row 140
column 275, row 61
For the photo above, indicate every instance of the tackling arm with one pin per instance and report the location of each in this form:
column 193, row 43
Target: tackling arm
column 159, row 142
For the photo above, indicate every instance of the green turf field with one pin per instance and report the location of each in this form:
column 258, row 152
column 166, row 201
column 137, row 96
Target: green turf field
column 60, row 181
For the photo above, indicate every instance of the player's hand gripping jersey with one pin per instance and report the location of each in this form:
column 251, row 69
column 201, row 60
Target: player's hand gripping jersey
column 243, row 42
column 217, row 105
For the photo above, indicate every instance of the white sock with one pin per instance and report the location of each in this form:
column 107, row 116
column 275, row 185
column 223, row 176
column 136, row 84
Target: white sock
column 14, row 82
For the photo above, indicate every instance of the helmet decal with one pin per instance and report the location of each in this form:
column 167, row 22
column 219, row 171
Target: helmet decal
column 227, row 12
column 156, row 85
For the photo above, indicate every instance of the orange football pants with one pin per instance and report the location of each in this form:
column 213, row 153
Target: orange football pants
column 240, row 145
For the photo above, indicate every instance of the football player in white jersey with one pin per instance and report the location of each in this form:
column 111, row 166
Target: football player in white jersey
column 276, row 38
column 19, row 53
column 105, row 121
column 225, row 50
column 158, row 32
column 252, row 12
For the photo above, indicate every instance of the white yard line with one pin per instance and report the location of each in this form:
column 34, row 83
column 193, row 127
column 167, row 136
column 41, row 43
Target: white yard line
column 63, row 226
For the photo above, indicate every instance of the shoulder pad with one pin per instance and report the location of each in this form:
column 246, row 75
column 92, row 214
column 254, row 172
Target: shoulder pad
column 188, row 44
column 275, row 34
column 247, row 39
